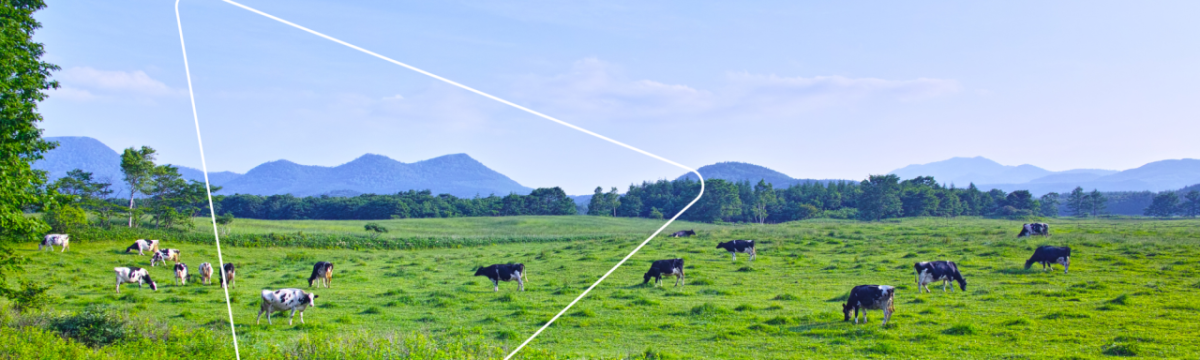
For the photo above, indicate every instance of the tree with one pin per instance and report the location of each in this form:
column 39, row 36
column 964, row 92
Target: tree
column 1050, row 204
column 613, row 201
column 89, row 194
column 1076, row 202
column 65, row 218
column 1096, row 202
column 1191, row 208
column 23, row 79
column 375, row 229
column 1165, row 204
column 880, row 198
column 764, row 198
column 137, row 166
column 655, row 214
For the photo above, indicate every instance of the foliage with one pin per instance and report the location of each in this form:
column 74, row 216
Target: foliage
column 137, row 165
column 24, row 77
column 403, row 205
column 225, row 219
column 65, row 218
column 1165, row 204
column 1191, row 207
column 375, row 229
column 87, row 193
column 94, row 326
column 31, row 296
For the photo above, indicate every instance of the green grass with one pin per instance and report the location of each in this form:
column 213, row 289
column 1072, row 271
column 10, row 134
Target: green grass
column 1128, row 277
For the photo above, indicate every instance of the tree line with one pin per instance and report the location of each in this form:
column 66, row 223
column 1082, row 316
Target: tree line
column 403, row 205
column 877, row 197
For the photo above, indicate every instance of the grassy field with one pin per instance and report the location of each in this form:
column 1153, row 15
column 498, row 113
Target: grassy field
column 1130, row 291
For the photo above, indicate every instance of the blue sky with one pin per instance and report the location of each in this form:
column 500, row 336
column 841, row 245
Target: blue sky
column 826, row 90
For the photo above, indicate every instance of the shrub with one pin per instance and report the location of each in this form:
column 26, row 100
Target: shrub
column 65, row 219
column 961, row 329
column 1120, row 349
column 95, row 326
column 31, row 296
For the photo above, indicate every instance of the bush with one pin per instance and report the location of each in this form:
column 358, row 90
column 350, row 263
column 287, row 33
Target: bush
column 31, row 296
column 65, row 219
column 95, row 326
column 1120, row 349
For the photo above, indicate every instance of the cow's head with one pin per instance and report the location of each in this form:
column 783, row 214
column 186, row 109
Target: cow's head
column 721, row 245
column 646, row 278
column 153, row 286
column 481, row 271
column 846, row 309
column 311, row 298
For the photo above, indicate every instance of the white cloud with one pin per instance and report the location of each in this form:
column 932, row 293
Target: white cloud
column 86, row 83
column 594, row 88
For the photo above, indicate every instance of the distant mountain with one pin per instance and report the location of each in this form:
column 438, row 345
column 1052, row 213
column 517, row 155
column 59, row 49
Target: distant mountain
column 988, row 174
column 739, row 171
column 458, row 175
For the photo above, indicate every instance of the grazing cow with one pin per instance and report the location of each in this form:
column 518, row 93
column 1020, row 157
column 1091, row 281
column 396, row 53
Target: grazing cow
column 129, row 275
column 1034, row 229
column 504, row 272
column 870, row 297
column 227, row 274
column 163, row 255
column 323, row 272
column 143, row 245
column 684, row 233
column 206, row 272
column 181, row 273
column 669, row 267
column 1050, row 255
column 739, row 246
column 944, row 271
column 55, row 239
column 284, row 300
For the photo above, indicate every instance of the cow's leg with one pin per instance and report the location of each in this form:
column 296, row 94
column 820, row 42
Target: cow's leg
column 258, row 319
column 678, row 277
column 887, row 314
column 495, row 285
column 301, row 317
column 64, row 246
column 520, row 284
column 753, row 254
column 944, row 283
column 734, row 254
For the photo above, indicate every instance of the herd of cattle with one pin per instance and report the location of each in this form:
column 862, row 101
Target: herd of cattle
column 860, row 299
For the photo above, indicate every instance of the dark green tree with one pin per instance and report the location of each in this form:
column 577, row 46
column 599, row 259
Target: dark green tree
column 1077, row 202
column 880, row 197
column 598, row 205
column 1191, row 207
column 1165, row 204
column 137, row 166
column 1049, row 204
column 1097, row 203
column 24, row 77
column 87, row 193
column 764, row 200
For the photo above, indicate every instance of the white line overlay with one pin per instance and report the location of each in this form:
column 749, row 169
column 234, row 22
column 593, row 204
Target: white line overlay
column 207, row 187
column 489, row 96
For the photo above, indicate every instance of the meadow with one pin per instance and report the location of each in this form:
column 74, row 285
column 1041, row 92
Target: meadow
column 1129, row 292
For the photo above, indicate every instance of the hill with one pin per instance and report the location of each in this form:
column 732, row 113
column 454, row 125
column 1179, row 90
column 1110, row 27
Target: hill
column 457, row 174
column 739, row 171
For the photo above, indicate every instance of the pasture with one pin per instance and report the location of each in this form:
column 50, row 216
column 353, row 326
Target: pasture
column 1130, row 290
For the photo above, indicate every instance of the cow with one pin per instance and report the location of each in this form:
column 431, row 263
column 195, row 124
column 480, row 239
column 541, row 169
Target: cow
column 1050, row 255
column 227, row 273
column 684, row 233
column 284, row 300
column 163, row 255
column 1042, row 229
column 944, row 271
column 322, row 272
column 669, row 267
column 206, row 271
column 55, row 239
column 870, row 297
column 129, row 275
column 143, row 245
column 739, row 246
column 504, row 272
column 181, row 273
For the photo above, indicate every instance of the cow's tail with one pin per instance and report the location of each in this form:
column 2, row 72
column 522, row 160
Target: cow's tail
column 524, row 274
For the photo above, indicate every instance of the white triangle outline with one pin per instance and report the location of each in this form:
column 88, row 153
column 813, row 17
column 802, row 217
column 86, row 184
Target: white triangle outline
column 204, row 166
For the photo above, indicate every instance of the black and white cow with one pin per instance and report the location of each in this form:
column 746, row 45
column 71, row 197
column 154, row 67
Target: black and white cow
column 669, row 267
column 163, row 255
column 285, row 300
column 1042, row 229
column 504, row 272
column 51, row 240
column 181, row 274
column 130, row 275
column 739, row 246
column 684, row 233
column 1049, row 255
column 870, row 297
column 142, row 245
column 228, row 272
column 944, row 271
column 323, row 272
column 206, row 271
